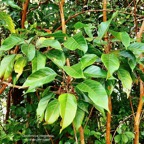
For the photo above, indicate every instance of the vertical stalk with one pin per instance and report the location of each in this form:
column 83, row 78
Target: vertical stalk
column 107, row 50
column 140, row 105
column 81, row 135
column 24, row 13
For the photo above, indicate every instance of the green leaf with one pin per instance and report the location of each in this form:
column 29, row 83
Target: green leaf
column 19, row 65
column 96, row 92
column 87, row 60
column 131, row 58
column 117, row 138
column 126, row 80
column 52, row 111
column 6, row 66
column 74, row 71
column 39, row 77
column 104, row 26
column 79, row 25
column 7, row 22
column 43, row 42
column 83, row 106
column 137, row 48
column 38, row 62
column 95, row 71
column 124, row 138
column 122, row 36
column 78, row 118
column 42, row 105
column 130, row 135
column 57, row 57
column 12, row 4
column 68, row 108
column 10, row 42
column 89, row 30
column 76, row 42
column 28, row 50
column 111, row 62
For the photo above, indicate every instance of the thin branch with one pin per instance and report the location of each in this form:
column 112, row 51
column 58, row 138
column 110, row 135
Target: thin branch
column 99, row 10
column 24, row 13
column 75, row 135
column 140, row 105
column 81, row 131
column 132, row 106
column 11, row 85
column 88, row 117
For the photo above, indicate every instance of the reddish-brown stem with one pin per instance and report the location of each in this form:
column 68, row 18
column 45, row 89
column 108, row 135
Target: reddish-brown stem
column 140, row 105
column 107, row 49
column 135, row 18
column 108, row 124
column 62, row 16
column 24, row 13
column 81, row 131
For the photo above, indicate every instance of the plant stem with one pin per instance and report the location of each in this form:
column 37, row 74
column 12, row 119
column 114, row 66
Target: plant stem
column 81, row 131
column 140, row 105
column 24, row 13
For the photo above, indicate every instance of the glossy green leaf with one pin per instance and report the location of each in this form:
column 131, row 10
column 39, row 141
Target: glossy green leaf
column 83, row 106
column 78, row 118
column 122, row 36
column 52, row 111
column 131, row 58
column 87, row 60
column 117, row 138
column 89, row 30
column 42, row 105
column 79, row 25
column 19, row 65
column 43, row 42
column 7, row 22
column 111, row 62
column 126, row 80
column 10, row 42
column 12, row 4
column 104, row 26
column 6, row 66
column 38, row 62
column 76, row 42
column 124, row 138
column 74, row 71
column 40, row 77
column 130, row 135
column 57, row 57
column 68, row 108
column 95, row 71
column 96, row 92
column 28, row 50
column 137, row 48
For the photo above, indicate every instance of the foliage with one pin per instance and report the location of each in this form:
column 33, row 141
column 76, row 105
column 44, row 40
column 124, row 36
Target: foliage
column 63, row 81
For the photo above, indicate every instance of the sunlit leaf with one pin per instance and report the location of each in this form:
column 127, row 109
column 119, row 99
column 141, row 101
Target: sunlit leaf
column 111, row 62
column 76, row 42
column 7, row 22
column 10, row 42
column 40, row 77
column 39, row 61
column 52, row 111
column 95, row 71
column 56, row 57
column 78, row 118
column 42, row 105
column 96, row 92
column 126, row 80
column 6, row 66
column 74, row 71
column 28, row 50
column 68, row 108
